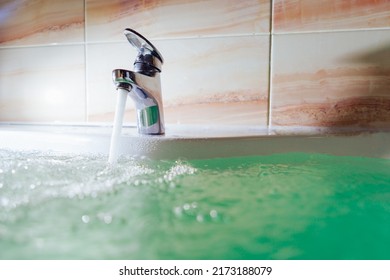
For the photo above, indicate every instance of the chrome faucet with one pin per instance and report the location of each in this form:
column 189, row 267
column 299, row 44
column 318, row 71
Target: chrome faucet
column 144, row 84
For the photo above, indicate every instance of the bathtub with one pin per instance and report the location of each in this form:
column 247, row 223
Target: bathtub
column 195, row 193
column 194, row 142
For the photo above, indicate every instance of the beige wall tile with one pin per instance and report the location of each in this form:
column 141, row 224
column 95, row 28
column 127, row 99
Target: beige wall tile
column 216, row 60
column 224, row 79
column 331, row 79
column 42, row 84
column 176, row 18
column 309, row 15
column 102, row 59
column 30, row 22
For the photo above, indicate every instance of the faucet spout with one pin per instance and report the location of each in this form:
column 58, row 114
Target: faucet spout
column 145, row 91
column 144, row 84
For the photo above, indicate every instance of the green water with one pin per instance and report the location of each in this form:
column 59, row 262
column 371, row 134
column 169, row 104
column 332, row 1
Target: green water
column 288, row 206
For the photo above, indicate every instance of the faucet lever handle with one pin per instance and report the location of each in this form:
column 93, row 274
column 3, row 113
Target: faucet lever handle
column 142, row 44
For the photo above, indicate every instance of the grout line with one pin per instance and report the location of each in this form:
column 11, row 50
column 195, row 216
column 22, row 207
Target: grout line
column 42, row 45
column 330, row 31
column 213, row 36
column 185, row 38
column 193, row 37
column 85, row 42
column 86, row 105
column 122, row 41
column 270, row 60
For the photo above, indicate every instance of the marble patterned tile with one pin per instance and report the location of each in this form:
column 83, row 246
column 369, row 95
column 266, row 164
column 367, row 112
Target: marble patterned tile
column 32, row 22
column 334, row 79
column 176, row 19
column 42, row 84
column 221, row 79
column 307, row 15
column 101, row 92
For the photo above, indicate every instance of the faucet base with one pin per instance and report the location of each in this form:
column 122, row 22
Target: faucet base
column 149, row 121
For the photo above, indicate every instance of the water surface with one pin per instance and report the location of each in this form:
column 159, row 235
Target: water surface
column 286, row 206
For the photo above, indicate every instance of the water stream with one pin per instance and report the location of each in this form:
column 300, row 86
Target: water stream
column 118, row 123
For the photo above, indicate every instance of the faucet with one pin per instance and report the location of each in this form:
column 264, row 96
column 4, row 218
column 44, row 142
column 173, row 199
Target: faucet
column 143, row 84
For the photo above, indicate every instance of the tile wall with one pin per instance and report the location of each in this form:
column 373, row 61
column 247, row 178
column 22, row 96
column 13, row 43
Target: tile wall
column 330, row 63
column 250, row 62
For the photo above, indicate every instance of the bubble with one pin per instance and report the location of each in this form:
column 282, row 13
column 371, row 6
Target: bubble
column 32, row 186
column 1, row 185
column 213, row 213
column 4, row 201
column 107, row 219
column 178, row 211
column 199, row 218
column 85, row 219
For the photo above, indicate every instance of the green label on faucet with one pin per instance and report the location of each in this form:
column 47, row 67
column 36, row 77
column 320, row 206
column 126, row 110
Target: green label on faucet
column 148, row 116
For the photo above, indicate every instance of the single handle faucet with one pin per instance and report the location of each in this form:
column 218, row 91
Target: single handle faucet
column 144, row 84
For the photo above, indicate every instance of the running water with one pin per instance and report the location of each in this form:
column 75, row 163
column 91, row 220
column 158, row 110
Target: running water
column 118, row 122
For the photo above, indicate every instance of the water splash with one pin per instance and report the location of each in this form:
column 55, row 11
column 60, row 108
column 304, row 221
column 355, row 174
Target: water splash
column 180, row 168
